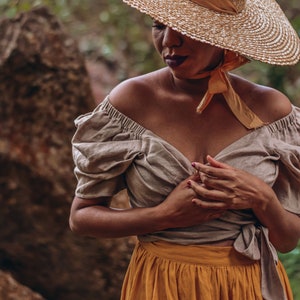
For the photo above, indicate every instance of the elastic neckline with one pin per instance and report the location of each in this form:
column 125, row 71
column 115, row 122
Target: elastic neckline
column 125, row 122
column 129, row 124
column 284, row 122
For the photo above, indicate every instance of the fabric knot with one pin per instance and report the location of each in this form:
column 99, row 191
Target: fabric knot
column 219, row 83
column 254, row 243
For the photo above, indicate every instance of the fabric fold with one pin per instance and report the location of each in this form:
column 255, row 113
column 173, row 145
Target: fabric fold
column 112, row 152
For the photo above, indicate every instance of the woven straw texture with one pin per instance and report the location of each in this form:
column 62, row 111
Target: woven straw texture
column 260, row 31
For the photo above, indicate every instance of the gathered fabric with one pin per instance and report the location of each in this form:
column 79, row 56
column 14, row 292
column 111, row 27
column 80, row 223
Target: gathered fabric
column 167, row 271
column 219, row 83
column 112, row 152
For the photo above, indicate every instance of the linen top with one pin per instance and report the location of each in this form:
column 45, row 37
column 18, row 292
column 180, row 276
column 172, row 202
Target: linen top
column 112, row 152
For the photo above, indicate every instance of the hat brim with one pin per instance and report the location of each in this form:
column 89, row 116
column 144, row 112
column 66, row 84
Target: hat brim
column 260, row 31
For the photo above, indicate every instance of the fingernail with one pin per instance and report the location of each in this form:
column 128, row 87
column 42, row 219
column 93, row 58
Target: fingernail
column 193, row 164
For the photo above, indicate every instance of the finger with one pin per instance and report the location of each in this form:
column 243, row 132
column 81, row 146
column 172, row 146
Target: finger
column 217, row 164
column 195, row 176
column 215, row 205
column 204, row 192
column 216, row 183
column 219, row 205
column 213, row 171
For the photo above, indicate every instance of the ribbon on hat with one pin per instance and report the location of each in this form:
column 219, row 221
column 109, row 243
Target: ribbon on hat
column 222, row 6
column 219, row 83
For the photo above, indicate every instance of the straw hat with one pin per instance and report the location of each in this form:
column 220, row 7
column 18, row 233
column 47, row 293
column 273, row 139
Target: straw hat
column 257, row 29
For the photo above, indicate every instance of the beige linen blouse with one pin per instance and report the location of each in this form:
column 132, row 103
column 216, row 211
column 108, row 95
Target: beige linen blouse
column 112, row 152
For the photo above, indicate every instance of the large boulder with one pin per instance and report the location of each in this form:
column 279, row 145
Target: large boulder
column 44, row 86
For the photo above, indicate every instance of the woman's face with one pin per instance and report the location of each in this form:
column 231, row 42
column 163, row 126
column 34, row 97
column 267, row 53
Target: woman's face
column 186, row 57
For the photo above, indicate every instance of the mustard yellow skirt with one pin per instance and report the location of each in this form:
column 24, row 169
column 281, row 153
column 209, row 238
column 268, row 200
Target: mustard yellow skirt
column 164, row 271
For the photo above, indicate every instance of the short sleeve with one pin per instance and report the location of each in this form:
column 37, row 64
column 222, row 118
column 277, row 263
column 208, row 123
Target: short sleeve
column 286, row 143
column 102, row 151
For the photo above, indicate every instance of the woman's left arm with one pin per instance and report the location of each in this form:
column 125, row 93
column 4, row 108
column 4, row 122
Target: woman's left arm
column 223, row 186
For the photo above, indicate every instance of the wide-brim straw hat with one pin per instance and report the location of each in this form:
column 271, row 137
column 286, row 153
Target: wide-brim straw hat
column 258, row 30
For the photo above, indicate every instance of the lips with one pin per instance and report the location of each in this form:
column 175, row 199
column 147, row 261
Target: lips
column 174, row 61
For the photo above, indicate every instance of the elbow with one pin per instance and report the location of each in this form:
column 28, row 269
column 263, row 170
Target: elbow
column 84, row 217
column 77, row 217
column 73, row 225
column 287, row 239
column 285, row 250
column 288, row 246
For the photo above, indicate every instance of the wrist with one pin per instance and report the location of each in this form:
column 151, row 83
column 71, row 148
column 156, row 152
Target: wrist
column 265, row 199
column 268, row 208
column 158, row 218
column 163, row 216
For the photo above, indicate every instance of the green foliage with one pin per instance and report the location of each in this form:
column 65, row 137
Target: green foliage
column 291, row 262
column 10, row 8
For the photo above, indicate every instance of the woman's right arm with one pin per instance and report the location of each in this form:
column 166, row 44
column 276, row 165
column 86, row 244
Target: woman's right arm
column 94, row 217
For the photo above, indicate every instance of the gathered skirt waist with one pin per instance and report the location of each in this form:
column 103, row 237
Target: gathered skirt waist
column 197, row 254
column 166, row 271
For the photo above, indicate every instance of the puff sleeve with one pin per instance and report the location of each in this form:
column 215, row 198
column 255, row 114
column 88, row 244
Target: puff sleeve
column 286, row 144
column 102, row 151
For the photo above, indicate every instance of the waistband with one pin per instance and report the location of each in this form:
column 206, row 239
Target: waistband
column 197, row 254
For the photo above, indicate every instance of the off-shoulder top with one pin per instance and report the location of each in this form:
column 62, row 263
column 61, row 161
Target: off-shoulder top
column 112, row 152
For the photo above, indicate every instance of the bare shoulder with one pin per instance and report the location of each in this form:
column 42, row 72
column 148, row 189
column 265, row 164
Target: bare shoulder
column 134, row 94
column 268, row 103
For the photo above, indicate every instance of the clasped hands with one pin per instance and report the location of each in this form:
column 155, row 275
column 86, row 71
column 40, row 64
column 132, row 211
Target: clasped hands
column 211, row 191
column 220, row 186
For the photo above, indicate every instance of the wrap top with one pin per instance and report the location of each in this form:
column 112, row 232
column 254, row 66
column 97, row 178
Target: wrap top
column 112, row 152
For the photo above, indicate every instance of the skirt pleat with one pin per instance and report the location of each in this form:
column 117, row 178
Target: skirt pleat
column 164, row 271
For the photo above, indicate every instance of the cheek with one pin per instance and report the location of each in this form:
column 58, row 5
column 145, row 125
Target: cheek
column 157, row 42
column 215, row 52
column 210, row 55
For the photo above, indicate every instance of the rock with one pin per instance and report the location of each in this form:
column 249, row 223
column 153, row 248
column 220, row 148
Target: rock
column 10, row 289
column 44, row 86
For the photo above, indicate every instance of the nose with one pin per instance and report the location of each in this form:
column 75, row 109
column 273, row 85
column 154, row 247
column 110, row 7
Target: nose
column 172, row 38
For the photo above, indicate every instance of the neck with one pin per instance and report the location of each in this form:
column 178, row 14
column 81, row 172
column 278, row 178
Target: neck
column 195, row 86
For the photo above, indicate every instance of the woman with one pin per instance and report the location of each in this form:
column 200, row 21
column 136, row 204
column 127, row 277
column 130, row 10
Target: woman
column 210, row 160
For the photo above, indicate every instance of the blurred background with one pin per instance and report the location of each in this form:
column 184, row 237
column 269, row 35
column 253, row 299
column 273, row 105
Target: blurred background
column 58, row 59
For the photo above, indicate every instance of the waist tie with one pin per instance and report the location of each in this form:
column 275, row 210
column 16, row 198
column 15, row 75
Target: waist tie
column 253, row 242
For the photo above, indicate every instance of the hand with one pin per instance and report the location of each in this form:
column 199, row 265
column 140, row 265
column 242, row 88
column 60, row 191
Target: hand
column 224, row 187
column 180, row 208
